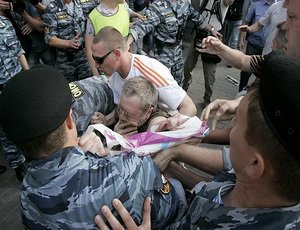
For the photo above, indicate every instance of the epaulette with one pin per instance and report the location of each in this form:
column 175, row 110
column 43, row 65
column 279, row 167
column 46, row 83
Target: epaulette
column 51, row 5
column 2, row 24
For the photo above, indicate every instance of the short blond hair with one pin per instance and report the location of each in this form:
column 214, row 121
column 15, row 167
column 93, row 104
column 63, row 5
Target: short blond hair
column 111, row 37
column 143, row 88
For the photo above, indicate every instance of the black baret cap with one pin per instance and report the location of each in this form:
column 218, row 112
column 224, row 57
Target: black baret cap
column 280, row 99
column 34, row 102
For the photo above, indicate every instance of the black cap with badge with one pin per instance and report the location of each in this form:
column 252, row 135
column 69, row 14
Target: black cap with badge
column 280, row 99
column 34, row 102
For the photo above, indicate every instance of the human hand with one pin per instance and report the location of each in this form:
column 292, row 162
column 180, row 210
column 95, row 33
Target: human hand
column 164, row 157
column 211, row 45
column 74, row 42
column 98, row 118
column 26, row 29
column 171, row 123
column 217, row 35
column 125, row 129
column 127, row 219
column 141, row 17
column 5, row 5
column 220, row 110
column 244, row 28
column 90, row 142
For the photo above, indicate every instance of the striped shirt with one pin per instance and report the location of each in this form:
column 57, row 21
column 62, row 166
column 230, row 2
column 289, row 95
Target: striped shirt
column 169, row 92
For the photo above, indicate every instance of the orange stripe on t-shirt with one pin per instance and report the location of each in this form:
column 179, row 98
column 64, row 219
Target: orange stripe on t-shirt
column 157, row 79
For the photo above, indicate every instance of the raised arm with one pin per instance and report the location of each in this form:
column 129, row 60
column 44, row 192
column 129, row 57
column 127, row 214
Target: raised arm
column 233, row 57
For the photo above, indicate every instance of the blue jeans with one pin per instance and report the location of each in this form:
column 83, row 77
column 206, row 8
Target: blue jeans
column 231, row 32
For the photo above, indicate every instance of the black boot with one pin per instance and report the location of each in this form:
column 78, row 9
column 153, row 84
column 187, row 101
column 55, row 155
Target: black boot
column 21, row 171
column 2, row 169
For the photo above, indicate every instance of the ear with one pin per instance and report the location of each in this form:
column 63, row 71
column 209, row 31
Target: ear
column 117, row 52
column 69, row 121
column 256, row 167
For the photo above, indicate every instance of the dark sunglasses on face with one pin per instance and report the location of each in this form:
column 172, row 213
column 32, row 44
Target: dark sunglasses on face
column 100, row 60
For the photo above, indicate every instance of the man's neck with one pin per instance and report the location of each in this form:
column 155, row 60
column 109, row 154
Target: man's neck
column 125, row 65
column 110, row 4
column 254, row 196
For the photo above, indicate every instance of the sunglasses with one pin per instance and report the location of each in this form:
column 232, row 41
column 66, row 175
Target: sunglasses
column 100, row 60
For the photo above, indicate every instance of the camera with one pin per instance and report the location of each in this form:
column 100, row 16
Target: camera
column 200, row 35
column 198, row 44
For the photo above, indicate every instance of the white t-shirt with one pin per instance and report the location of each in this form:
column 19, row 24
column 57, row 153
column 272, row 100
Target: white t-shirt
column 169, row 92
column 275, row 15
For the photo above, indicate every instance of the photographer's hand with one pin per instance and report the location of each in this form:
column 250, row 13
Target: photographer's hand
column 217, row 35
column 5, row 5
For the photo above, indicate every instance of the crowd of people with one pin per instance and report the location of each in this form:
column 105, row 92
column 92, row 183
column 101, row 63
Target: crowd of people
column 67, row 64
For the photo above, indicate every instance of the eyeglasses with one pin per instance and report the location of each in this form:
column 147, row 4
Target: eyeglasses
column 100, row 60
column 132, row 117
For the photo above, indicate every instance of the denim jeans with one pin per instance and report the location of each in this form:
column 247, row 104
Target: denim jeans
column 231, row 32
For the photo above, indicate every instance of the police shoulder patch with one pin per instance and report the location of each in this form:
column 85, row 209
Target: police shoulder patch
column 2, row 25
column 166, row 188
column 76, row 90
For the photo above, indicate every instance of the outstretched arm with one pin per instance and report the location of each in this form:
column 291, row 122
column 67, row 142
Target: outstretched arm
column 202, row 158
column 233, row 57
column 220, row 110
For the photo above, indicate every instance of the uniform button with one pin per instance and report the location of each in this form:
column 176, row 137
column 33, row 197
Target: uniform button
column 291, row 131
column 278, row 113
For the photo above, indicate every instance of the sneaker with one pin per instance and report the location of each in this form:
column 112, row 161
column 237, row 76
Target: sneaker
column 2, row 169
column 21, row 171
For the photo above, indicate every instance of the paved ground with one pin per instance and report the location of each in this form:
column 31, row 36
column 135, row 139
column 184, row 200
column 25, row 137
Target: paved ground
column 9, row 186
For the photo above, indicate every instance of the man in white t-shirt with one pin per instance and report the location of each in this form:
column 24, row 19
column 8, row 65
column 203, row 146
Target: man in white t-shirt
column 112, row 57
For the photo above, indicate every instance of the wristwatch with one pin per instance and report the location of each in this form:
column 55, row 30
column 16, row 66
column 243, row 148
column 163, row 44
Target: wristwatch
column 212, row 29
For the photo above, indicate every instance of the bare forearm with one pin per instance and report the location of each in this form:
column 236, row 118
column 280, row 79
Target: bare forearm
column 255, row 27
column 176, row 171
column 23, row 62
column 59, row 43
column 35, row 23
column 217, row 136
column 187, row 107
column 235, row 58
column 88, row 51
column 208, row 160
